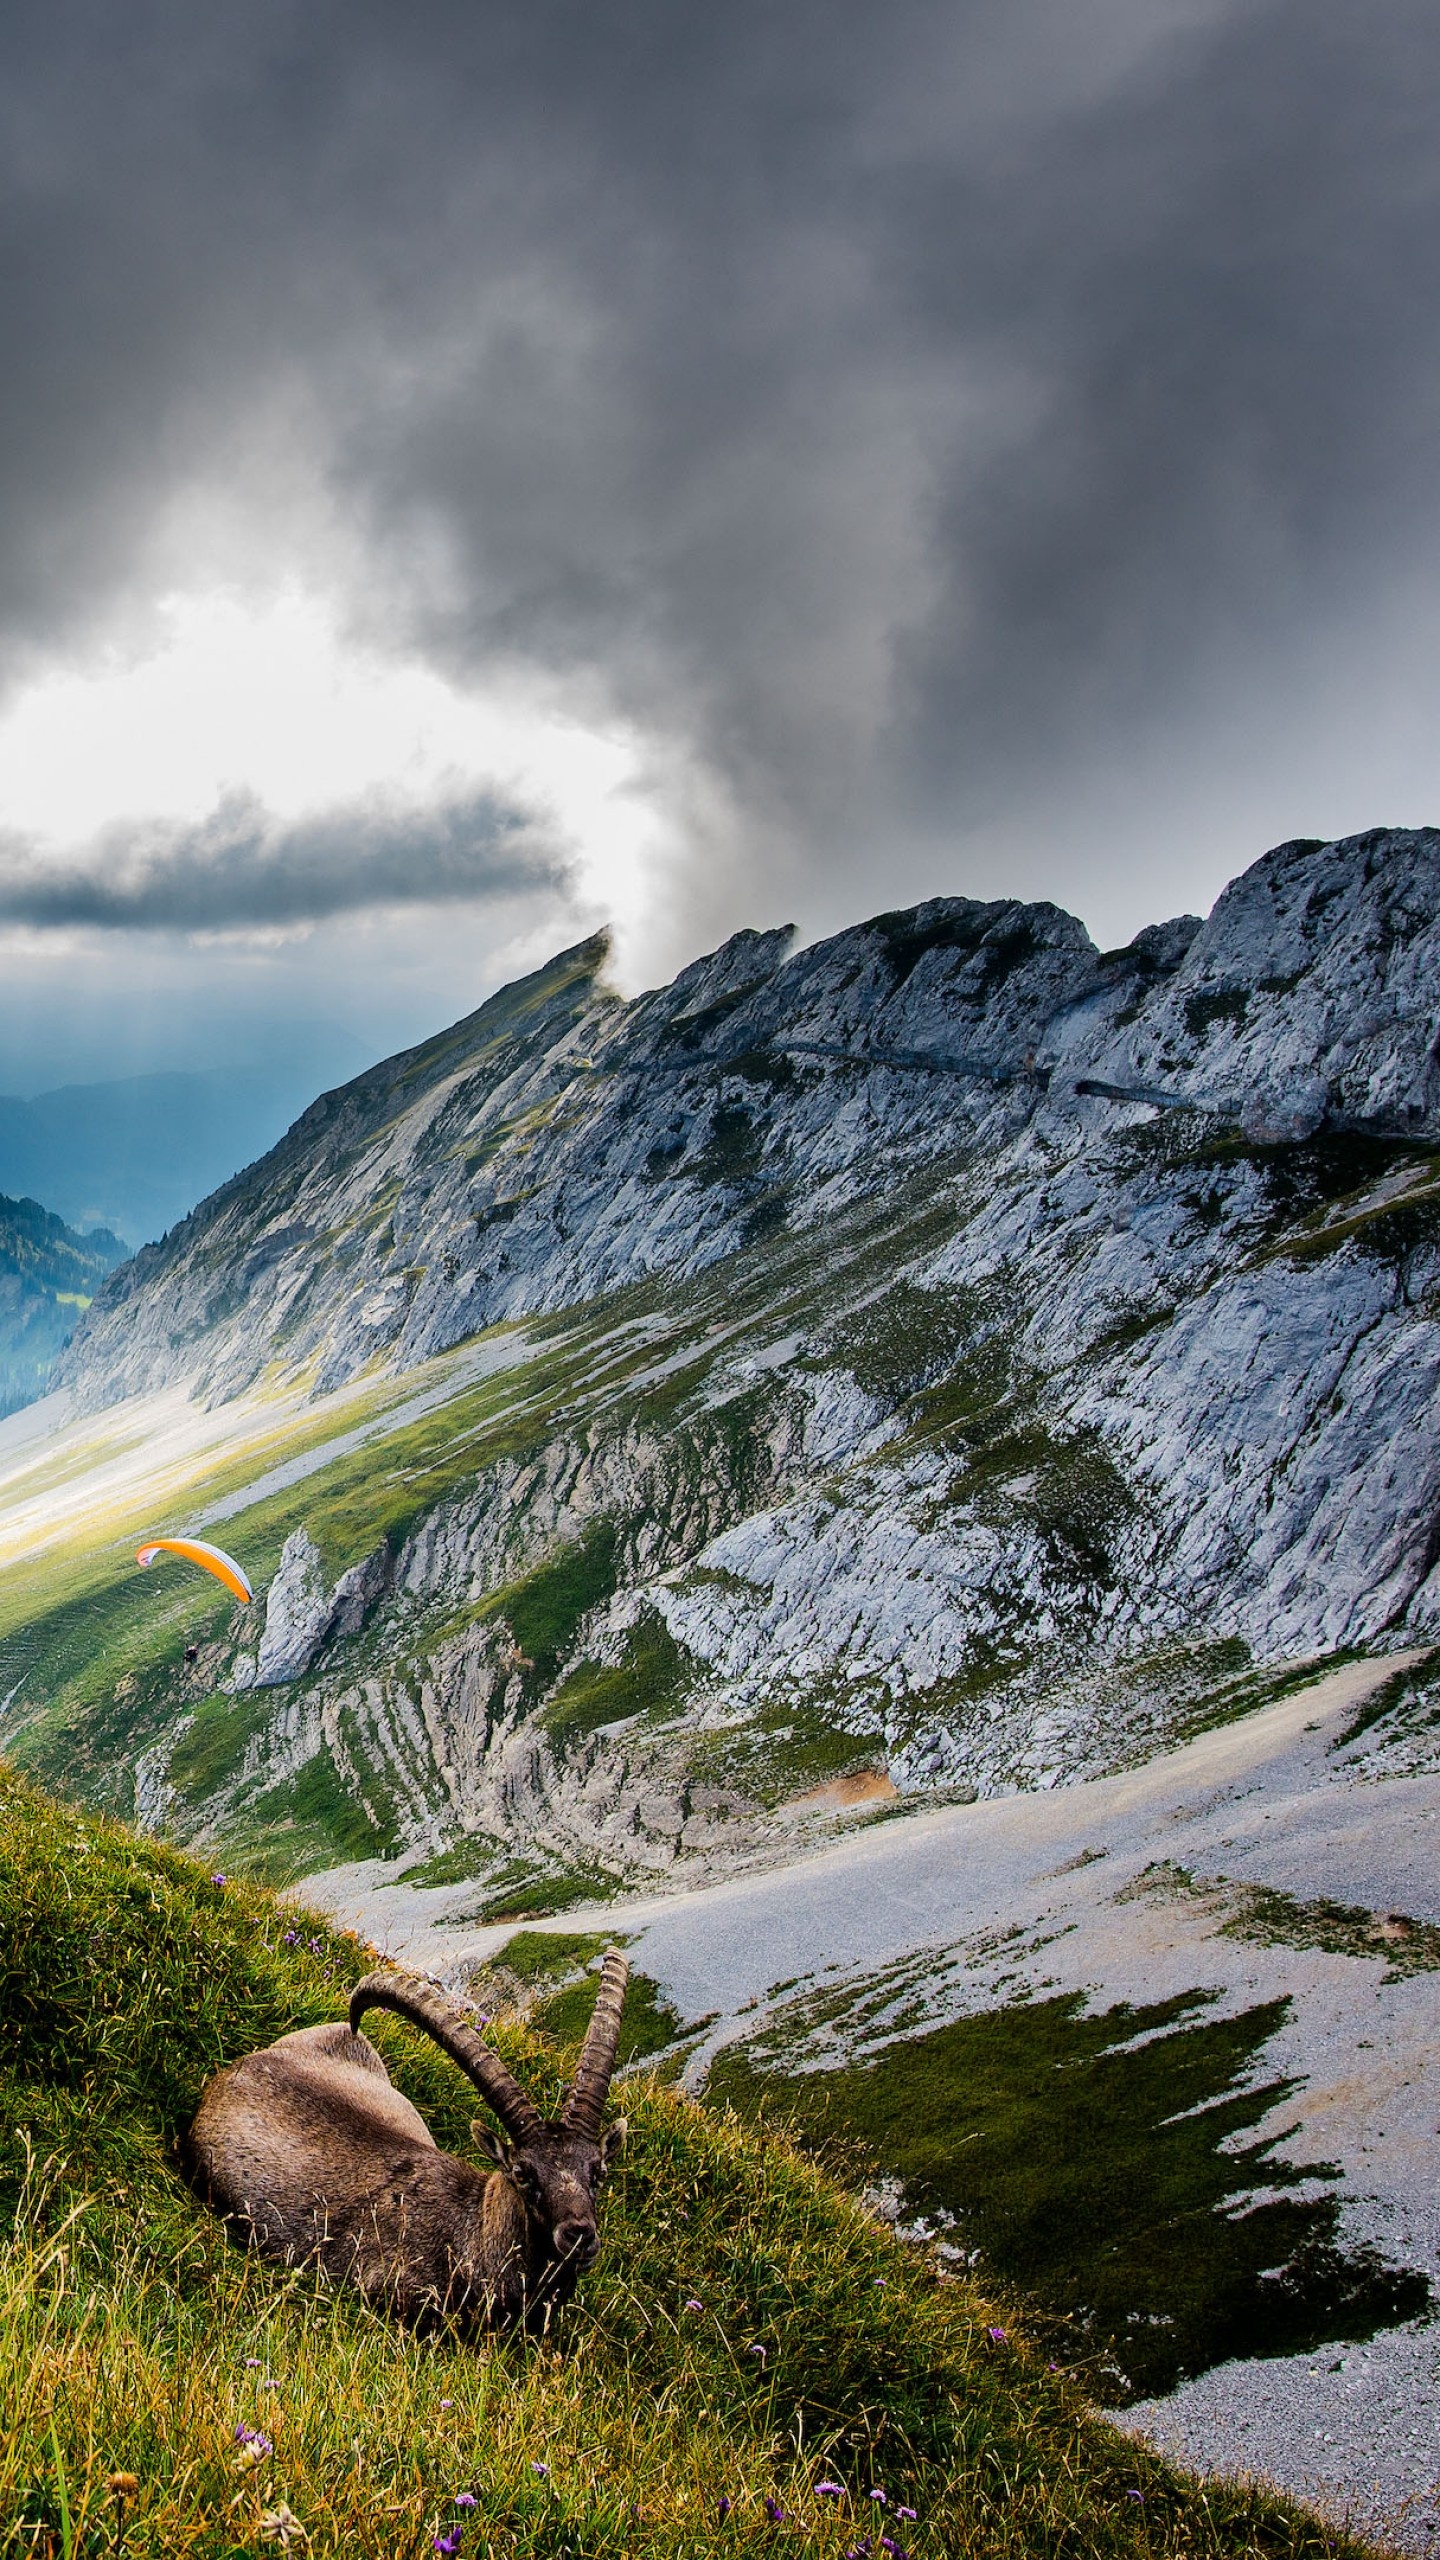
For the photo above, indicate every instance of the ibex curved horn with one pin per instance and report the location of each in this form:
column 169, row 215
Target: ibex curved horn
column 591, row 2085
column 441, row 2018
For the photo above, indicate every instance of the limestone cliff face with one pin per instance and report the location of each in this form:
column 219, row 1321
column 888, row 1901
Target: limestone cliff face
column 1045, row 1335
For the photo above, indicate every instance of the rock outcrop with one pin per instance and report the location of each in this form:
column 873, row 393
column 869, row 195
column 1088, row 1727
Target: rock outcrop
column 297, row 1609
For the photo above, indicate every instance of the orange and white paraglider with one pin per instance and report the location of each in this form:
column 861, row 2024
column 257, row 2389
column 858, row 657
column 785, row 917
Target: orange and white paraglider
column 210, row 1559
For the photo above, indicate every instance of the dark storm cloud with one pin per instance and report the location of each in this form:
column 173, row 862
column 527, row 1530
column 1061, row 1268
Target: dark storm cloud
column 886, row 407
column 240, row 867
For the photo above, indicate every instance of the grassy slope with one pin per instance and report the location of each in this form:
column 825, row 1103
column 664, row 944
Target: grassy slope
column 76, row 1620
column 132, row 2341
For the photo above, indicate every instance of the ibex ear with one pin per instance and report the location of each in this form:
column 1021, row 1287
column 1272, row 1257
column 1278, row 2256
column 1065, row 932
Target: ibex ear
column 613, row 2141
column 494, row 2145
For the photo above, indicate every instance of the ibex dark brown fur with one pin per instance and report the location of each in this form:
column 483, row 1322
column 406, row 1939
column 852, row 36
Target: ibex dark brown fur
column 314, row 2158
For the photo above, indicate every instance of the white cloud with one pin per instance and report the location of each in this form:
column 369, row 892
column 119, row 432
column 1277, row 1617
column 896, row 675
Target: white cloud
column 265, row 703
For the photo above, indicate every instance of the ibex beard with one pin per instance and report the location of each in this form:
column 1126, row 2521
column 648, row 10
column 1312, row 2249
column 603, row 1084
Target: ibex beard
column 313, row 2157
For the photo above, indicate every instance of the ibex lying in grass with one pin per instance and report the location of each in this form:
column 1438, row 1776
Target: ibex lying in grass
column 313, row 2157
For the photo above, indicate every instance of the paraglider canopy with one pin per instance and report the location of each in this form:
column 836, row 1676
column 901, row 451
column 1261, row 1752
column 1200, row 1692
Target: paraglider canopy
column 211, row 1559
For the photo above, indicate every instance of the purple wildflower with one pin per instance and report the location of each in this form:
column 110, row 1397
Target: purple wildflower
column 447, row 2404
column 541, row 2470
column 996, row 2337
column 252, row 2364
column 828, row 2489
column 758, row 2350
column 219, row 1879
column 291, row 1938
column 694, row 2303
column 315, row 1947
column 877, row 2280
column 447, row 2543
column 908, row 2513
column 464, row 2498
column 774, row 2511
column 879, row 2497
column 723, row 2509
column 1137, row 2494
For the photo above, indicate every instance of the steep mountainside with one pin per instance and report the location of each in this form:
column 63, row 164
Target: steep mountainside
column 48, row 1276
column 945, row 1357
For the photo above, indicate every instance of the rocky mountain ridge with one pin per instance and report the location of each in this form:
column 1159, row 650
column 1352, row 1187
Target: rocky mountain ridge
column 560, row 1142
column 948, row 1351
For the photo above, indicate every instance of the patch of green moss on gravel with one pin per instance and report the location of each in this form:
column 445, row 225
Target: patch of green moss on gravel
column 1270, row 1918
column 1111, row 2168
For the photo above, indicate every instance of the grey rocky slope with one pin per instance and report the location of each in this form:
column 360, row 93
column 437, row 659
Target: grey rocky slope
column 984, row 1353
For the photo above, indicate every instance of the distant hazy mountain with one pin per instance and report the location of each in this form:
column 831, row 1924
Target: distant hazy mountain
column 137, row 1155
column 109, row 1032
column 48, row 1276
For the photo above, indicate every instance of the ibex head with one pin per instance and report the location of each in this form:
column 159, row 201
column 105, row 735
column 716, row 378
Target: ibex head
column 554, row 2167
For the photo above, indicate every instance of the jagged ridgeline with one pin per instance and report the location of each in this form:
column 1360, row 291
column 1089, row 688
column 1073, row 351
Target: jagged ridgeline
column 48, row 1276
column 946, row 1358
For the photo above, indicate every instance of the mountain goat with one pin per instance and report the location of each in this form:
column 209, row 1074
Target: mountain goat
column 314, row 2158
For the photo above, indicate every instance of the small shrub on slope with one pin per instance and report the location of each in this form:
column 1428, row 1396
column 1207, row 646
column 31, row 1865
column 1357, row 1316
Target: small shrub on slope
column 751, row 2362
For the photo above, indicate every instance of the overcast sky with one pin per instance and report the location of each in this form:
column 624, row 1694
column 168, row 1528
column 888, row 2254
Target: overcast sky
column 474, row 468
